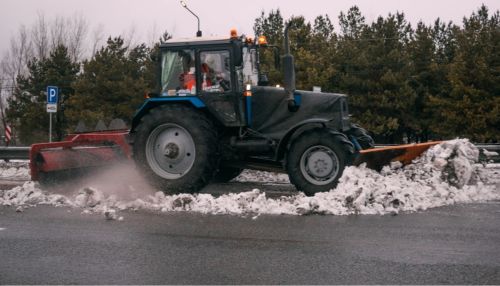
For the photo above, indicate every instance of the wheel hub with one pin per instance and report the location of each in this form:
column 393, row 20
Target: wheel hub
column 171, row 150
column 319, row 165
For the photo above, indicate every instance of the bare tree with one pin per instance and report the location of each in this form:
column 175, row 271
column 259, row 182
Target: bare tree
column 15, row 60
column 130, row 37
column 14, row 63
column 153, row 35
column 40, row 37
column 77, row 36
column 58, row 32
column 97, row 39
column 22, row 52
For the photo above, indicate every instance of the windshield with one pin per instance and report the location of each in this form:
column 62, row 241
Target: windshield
column 178, row 73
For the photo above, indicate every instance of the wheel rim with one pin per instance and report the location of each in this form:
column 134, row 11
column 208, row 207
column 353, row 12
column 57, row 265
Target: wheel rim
column 170, row 151
column 319, row 165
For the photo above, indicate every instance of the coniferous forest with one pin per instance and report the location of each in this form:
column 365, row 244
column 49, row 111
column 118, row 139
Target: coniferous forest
column 406, row 82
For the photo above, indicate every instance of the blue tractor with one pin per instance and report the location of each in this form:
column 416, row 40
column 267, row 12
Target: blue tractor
column 214, row 115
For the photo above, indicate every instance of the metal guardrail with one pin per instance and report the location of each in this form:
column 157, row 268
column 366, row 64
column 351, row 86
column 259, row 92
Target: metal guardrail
column 14, row 153
column 22, row 153
column 489, row 147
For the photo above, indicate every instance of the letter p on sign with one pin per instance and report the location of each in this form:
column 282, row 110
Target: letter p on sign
column 52, row 94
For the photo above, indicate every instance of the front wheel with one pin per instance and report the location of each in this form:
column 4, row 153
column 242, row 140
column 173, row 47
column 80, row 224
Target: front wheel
column 316, row 160
column 175, row 147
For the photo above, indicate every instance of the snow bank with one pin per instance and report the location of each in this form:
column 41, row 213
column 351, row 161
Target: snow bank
column 29, row 195
column 18, row 170
column 446, row 174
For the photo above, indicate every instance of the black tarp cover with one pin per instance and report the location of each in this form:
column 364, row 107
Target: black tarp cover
column 270, row 109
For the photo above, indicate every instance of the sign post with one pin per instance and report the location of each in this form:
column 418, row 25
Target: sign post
column 52, row 97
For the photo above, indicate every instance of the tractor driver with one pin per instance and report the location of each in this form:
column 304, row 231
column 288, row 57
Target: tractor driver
column 213, row 75
column 208, row 76
column 187, row 78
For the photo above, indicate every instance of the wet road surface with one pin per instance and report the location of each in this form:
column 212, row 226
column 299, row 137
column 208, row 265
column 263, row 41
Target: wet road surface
column 59, row 245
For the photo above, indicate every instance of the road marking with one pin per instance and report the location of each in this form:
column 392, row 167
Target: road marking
column 2, row 228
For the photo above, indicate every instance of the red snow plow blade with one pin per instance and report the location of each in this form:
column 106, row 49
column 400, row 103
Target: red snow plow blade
column 376, row 158
column 79, row 151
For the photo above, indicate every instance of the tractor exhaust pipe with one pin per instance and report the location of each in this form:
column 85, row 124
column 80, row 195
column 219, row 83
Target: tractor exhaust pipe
column 289, row 73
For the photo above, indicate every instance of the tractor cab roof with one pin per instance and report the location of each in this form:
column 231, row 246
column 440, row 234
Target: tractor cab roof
column 204, row 41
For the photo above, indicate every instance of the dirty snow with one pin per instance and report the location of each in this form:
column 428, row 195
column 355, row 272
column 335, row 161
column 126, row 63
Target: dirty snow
column 489, row 154
column 14, row 170
column 446, row 174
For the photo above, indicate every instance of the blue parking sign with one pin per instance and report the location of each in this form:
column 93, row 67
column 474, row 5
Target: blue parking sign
column 52, row 94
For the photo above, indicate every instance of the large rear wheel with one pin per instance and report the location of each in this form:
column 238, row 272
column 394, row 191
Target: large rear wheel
column 316, row 160
column 176, row 148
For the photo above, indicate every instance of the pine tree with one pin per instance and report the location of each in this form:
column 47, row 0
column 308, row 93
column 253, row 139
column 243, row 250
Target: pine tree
column 320, row 70
column 272, row 27
column 112, row 85
column 373, row 65
column 423, row 79
column 27, row 107
column 471, row 107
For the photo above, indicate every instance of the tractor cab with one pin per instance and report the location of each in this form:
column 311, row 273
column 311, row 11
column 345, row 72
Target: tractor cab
column 198, row 66
column 215, row 70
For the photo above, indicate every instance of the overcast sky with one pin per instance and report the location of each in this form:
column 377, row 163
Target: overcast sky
column 150, row 17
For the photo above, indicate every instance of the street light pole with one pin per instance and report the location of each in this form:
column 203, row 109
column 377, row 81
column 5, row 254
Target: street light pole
column 183, row 3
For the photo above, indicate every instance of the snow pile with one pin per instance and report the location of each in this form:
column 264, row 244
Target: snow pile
column 490, row 173
column 30, row 195
column 14, row 171
column 489, row 154
column 446, row 174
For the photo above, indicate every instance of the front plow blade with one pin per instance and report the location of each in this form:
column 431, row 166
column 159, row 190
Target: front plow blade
column 377, row 158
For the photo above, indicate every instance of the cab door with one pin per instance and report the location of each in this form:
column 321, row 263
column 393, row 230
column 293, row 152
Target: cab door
column 217, row 84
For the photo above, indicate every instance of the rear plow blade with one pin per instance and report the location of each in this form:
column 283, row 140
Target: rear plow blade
column 78, row 152
column 377, row 158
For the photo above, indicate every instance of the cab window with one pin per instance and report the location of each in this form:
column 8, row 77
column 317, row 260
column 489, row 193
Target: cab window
column 178, row 74
column 215, row 71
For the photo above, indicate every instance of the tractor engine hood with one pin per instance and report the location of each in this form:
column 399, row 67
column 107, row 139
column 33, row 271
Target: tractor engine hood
column 272, row 118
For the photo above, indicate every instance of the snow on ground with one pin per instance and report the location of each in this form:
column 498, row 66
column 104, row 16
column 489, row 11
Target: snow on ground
column 446, row 174
column 14, row 170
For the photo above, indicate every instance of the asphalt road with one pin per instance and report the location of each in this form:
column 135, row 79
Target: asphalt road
column 448, row 245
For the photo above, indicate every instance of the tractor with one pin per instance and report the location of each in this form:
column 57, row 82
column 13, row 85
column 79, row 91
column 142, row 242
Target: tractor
column 214, row 114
